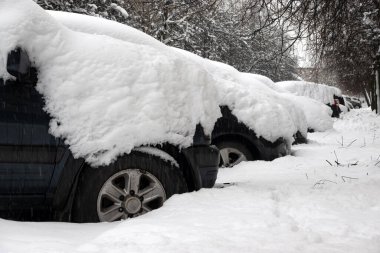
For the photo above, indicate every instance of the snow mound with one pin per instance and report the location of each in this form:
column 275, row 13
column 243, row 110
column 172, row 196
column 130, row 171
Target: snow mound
column 321, row 92
column 363, row 120
column 107, row 96
column 261, row 109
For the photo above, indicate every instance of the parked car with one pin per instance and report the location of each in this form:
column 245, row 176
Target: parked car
column 318, row 115
column 348, row 103
column 256, row 122
column 355, row 102
column 323, row 93
column 91, row 128
column 237, row 142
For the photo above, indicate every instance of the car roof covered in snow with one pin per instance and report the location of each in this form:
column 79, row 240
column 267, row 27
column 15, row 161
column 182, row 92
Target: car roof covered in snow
column 321, row 92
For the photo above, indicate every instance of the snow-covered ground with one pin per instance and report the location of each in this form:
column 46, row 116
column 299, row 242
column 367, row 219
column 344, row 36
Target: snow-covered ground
column 325, row 198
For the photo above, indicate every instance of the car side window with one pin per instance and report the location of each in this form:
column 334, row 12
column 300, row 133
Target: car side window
column 22, row 119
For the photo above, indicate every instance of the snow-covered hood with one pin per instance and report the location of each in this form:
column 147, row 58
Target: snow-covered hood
column 321, row 92
column 260, row 108
column 107, row 96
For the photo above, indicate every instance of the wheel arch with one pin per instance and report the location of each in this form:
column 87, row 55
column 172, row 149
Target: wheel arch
column 74, row 168
column 255, row 151
column 183, row 164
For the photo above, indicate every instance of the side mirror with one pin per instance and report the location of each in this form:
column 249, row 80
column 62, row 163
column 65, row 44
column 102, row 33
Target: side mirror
column 18, row 64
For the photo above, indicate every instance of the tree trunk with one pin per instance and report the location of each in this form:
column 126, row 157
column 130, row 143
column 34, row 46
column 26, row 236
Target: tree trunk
column 367, row 96
column 377, row 100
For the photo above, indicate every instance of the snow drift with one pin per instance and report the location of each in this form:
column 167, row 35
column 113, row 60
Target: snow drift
column 320, row 92
column 107, row 96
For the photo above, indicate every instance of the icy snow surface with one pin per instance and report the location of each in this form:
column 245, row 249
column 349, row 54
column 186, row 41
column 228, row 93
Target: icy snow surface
column 107, row 96
column 321, row 92
column 297, row 203
column 255, row 105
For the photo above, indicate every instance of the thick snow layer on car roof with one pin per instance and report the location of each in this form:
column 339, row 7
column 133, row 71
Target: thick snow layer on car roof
column 258, row 107
column 101, row 26
column 318, row 115
column 321, row 92
column 107, row 96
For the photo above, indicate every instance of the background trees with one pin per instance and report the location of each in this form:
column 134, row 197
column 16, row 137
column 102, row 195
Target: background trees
column 343, row 38
column 243, row 33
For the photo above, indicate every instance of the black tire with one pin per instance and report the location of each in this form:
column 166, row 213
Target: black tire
column 241, row 147
column 92, row 180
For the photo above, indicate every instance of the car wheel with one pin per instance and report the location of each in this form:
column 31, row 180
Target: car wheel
column 232, row 153
column 132, row 186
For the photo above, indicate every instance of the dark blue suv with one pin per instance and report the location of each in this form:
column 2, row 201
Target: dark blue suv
column 41, row 180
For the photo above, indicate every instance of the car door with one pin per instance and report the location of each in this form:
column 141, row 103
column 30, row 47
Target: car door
column 27, row 150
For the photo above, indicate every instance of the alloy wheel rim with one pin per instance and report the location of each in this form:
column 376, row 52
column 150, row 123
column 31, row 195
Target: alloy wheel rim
column 129, row 193
column 229, row 157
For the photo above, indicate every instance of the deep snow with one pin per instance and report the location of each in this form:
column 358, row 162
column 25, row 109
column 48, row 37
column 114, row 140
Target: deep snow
column 297, row 203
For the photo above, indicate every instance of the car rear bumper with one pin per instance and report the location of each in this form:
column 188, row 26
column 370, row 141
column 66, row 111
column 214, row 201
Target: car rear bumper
column 204, row 161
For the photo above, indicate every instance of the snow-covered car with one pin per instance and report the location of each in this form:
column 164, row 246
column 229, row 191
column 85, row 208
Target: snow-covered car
column 355, row 102
column 318, row 115
column 321, row 92
column 93, row 128
column 348, row 103
column 256, row 122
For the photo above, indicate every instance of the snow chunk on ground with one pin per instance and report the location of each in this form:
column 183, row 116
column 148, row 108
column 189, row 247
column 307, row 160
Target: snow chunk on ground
column 107, row 96
column 254, row 105
column 320, row 92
